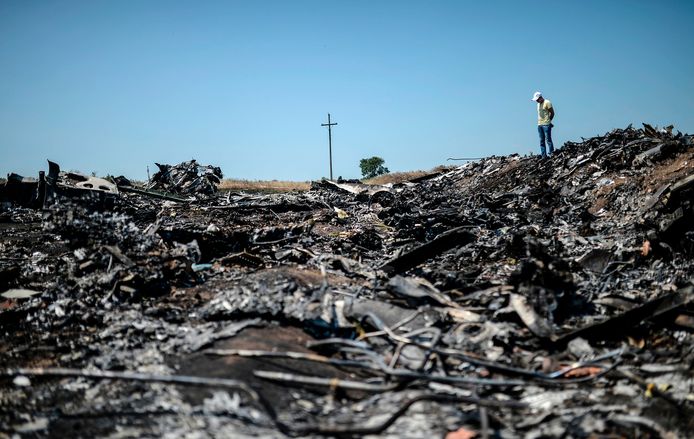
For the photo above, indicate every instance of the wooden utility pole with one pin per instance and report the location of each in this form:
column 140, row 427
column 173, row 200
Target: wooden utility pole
column 330, row 142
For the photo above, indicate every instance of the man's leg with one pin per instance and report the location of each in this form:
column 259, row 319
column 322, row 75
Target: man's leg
column 548, row 135
column 540, row 131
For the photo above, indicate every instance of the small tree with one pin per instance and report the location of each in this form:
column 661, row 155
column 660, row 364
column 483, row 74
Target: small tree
column 372, row 167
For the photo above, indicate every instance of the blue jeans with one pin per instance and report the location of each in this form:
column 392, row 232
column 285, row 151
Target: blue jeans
column 545, row 132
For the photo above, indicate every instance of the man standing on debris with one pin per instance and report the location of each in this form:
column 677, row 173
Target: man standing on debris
column 545, row 114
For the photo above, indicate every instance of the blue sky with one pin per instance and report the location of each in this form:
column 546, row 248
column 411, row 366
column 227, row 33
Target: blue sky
column 114, row 86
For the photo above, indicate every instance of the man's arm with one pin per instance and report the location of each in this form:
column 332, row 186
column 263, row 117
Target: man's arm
column 551, row 113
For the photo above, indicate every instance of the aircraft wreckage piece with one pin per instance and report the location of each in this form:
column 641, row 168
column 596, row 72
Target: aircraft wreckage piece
column 48, row 189
column 445, row 241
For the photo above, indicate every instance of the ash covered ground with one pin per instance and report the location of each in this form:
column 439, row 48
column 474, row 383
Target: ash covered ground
column 508, row 297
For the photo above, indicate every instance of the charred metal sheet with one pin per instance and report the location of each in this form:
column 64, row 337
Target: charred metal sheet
column 23, row 191
column 444, row 242
column 355, row 188
column 417, row 288
column 74, row 186
column 618, row 325
column 92, row 183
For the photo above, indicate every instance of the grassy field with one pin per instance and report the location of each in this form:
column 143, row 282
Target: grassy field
column 264, row 186
column 287, row 186
column 399, row 177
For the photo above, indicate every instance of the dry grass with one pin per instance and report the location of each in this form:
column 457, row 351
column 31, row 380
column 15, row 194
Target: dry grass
column 264, row 186
column 287, row 186
column 399, row 177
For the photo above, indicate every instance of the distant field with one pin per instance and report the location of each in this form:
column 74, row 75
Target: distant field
column 399, row 177
column 264, row 186
column 286, row 186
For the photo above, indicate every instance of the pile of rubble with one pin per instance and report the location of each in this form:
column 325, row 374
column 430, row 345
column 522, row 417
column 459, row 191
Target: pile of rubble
column 510, row 297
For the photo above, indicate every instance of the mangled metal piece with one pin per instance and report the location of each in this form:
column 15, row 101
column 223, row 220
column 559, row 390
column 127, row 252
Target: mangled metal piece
column 23, row 191
column 19, row 293
column 418, row 289
column 596, row 260
column 68, row 181
column 57, row 185
column 537, row 325
column 188, row 178
column 391, row 315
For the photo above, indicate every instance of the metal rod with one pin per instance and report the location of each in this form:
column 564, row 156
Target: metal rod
column 333, row 383
column 152, row 194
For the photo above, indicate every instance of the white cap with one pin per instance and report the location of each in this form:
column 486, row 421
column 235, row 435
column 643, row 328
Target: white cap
column 537, row 96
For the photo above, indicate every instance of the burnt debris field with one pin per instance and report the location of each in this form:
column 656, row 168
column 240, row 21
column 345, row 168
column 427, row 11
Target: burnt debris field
column 509, row 297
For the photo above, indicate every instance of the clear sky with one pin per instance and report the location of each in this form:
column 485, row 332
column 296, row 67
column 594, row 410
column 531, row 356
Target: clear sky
column 114, row 86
